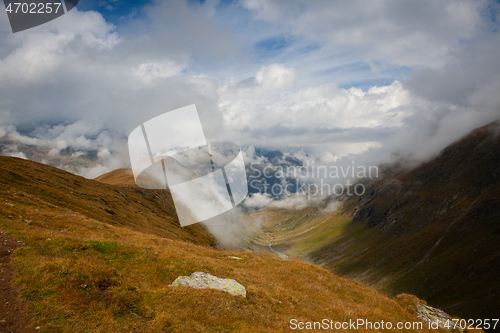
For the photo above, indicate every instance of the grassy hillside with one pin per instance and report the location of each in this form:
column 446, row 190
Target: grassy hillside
column 296, row 232
column 59, row 192
column 433, row 231
column 99, row 258
column 117, row 177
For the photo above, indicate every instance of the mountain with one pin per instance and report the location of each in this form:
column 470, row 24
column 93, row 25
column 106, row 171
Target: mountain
column 433, row 231
column 91, row 256
column 150, row 211
column 265, row 174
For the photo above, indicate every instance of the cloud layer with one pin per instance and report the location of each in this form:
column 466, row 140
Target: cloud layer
column 279, row 74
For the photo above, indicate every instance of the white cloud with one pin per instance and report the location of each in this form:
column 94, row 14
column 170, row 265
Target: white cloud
column 268, row 81
column 13, row 150
column 275, row 77
column 261, row 200
column 78, row 154
column 53, row 152
column 76, row 82
column 99, row 169
column 258, row 200
column 323, row 114
column 181, row 29
column 56, row 45
column 19, row 154
column 152, row 72
column 103, row 153
column 393, row 32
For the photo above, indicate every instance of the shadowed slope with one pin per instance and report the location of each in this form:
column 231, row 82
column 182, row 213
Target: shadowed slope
column 433, row 231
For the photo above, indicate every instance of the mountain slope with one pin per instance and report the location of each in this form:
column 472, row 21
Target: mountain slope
column 433, row 231
column 122, row 176
column 437, row 229
column 58, row 192
column 80, row 270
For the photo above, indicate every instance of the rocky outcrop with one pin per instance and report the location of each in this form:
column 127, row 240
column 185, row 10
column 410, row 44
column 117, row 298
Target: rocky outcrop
column 433, row 315
column 203, row 280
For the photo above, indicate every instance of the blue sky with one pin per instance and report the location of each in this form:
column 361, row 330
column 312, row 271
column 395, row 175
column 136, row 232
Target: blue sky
column 116, row 12
column 263, row 43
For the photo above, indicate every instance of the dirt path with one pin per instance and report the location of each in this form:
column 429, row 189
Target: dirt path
column 12, row 316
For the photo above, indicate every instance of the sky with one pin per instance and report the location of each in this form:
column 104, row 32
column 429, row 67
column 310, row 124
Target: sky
column 326, row 80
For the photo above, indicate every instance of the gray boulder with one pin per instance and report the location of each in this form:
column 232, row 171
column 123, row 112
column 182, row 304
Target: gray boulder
column 434, row 315
column 203, row 280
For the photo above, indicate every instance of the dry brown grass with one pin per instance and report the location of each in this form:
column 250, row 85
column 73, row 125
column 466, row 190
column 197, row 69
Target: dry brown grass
column 117, row 177
column 78, row 273
column 96, row 277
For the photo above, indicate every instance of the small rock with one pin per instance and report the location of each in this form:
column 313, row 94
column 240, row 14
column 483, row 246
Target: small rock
column 432, row 315
column 203, row 280
column 238, row 258
column 10, row 216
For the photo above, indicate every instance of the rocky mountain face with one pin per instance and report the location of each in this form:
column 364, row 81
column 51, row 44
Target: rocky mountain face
column 264, row 175
column 433, row 231
column 465, row 175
